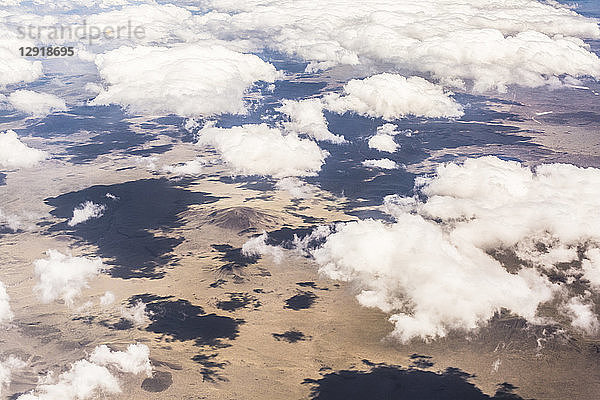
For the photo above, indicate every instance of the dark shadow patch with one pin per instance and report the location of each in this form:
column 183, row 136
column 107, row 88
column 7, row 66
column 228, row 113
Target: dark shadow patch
column 233, row 258
column 2, row 179
column 237, row 301
column 210, row 367
column 387, row 382
column 312, row 285
column 159, row 149
column 181, row 320
column 291, row 336
column 218, row 283
column 160, row 381
column 421, row 361
column 301, row 301
column 123, row 233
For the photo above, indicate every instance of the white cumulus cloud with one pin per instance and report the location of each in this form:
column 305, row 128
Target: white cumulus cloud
column 493, row 43
column 383, row 140
column 261, row 150
column 188, row 168
column 87, row 379
column 85, row 212
column 383, row 163
column 36, row 104
column 433, row 269
column 392, row 96
column 306, row 117
column 16, row 154
column 64, row 276
column 188, row 80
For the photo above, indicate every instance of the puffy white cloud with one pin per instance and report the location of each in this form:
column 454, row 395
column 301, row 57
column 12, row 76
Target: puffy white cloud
column 85, row 212
column 192, row 167
column 433, row 269
column 295, row 187
column 261, row 150
column 16, row 154
column 383, row 143
column 136, row 314
column 135, row 360
column 258, row 246
column 582, row 315
column 36, row 104
column 384, row 163
column 64, row 276
column 392, row 96
column 306, row 117
column 188, row 80
column 90, row 379
column 13, row 67
column 82, row 381
column 493, row 42
column 6, row 314
column 384, row 139
column 145, row 23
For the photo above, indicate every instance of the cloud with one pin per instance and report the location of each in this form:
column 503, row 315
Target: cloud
column 14, row 68
column 107, row 298
column 295, row 187
column 261, row 150
column 306, row 117
column 384, row 163
column 85, row 212
column 193, row 167
column 392, row 96
column 64, row 276
column 437, row 267
column 384, row 139
column 36, row 104
column 16, row 154
column 136, row 314
column 6, row 314
column 134, row 361
column 7, row 366
column 582, row 315
column 157, row 23
column 188, row 80
column 90, row 379
column 493, row 43
column 258, row 247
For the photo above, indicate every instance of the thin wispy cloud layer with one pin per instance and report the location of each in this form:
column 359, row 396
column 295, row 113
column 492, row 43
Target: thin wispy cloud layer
column 36, row 104
column 16, row 154
column 392, row 96
column 188, row 80
column 136, row 314
column 63, row 276
column 86, row 211
column 6, row 314
column 87, row 379
column 493, row 43
column 261, row 150
column 296, row 188
column 7, row 366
